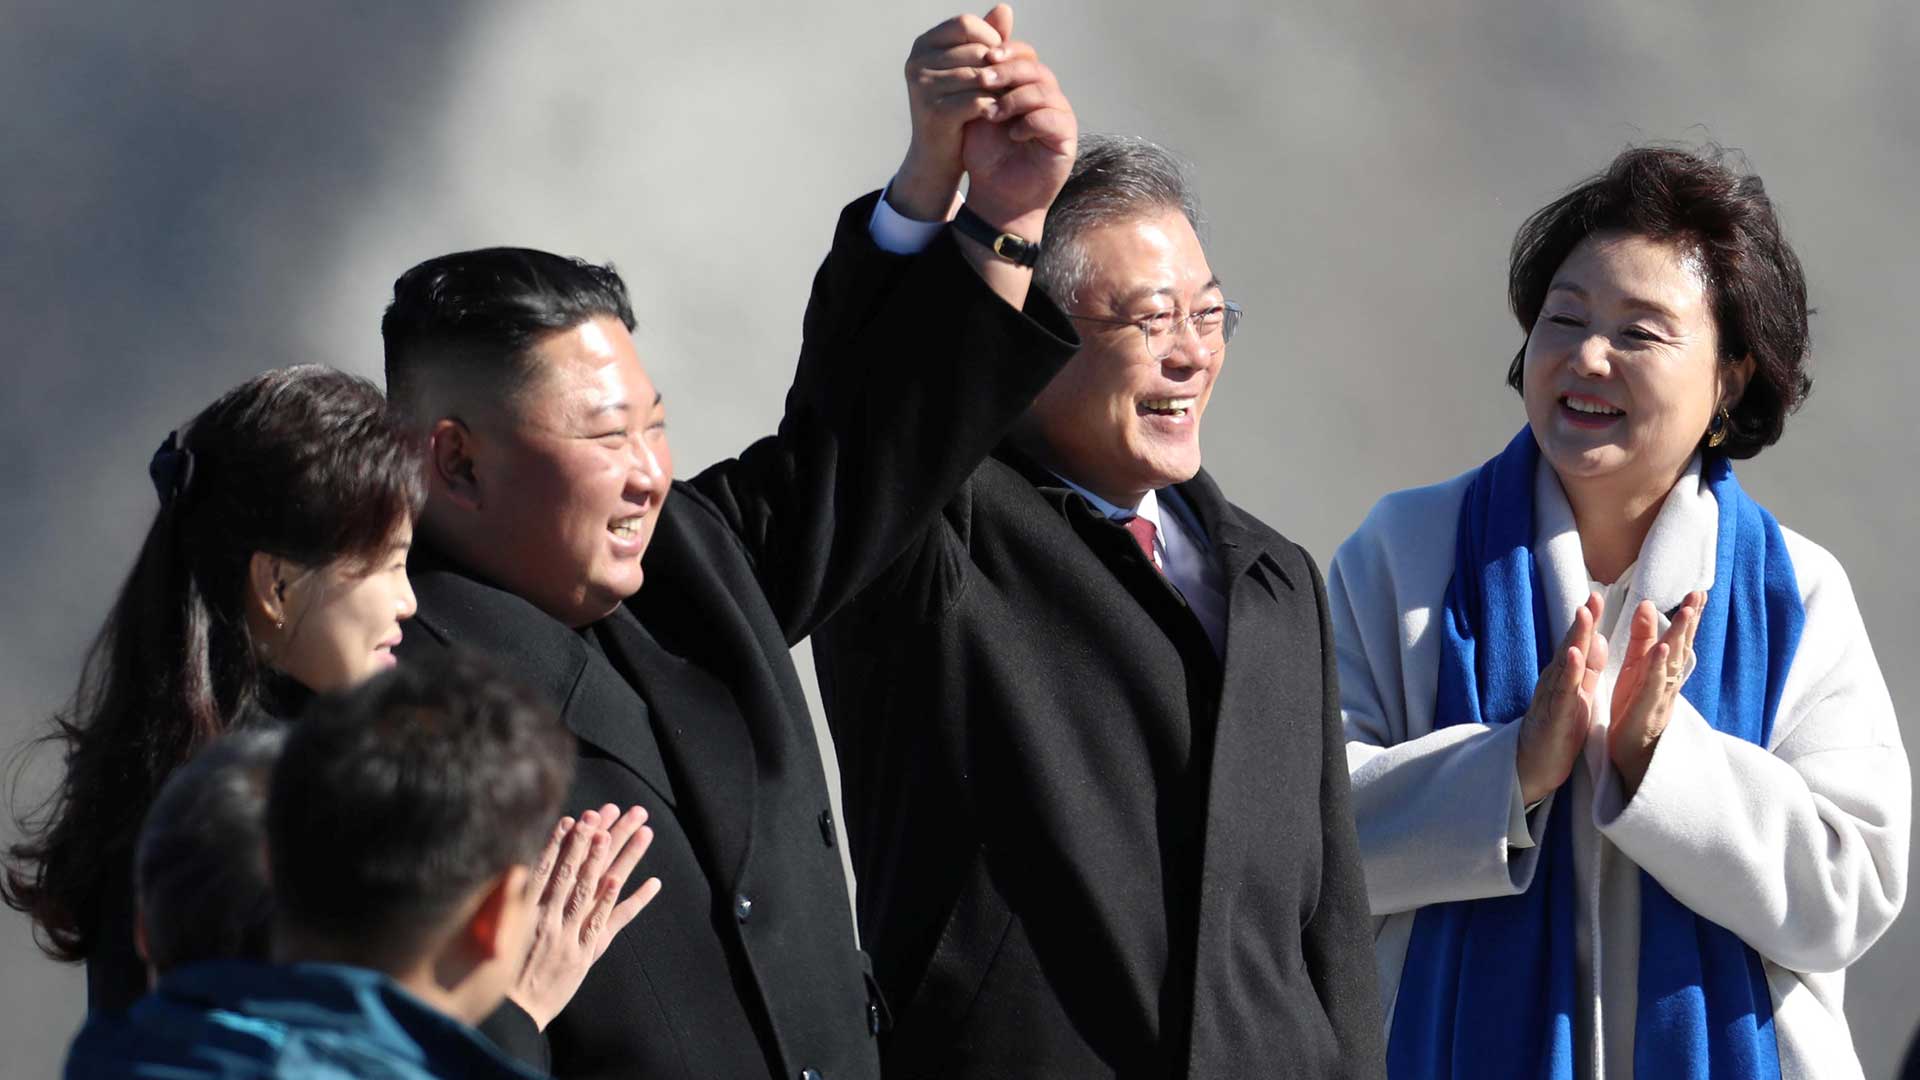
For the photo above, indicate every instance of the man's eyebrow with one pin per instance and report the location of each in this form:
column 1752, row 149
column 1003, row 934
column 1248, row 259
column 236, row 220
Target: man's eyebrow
column 1567, row 286
column 617, row 405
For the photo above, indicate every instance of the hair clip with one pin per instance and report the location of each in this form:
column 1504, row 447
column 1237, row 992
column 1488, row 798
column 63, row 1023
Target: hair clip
column 171, row 470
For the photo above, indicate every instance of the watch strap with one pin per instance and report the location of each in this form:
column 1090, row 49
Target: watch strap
column 1015, row 249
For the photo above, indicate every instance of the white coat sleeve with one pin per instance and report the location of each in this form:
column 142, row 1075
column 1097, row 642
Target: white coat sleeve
column 1439, row 813
column 1800, row 849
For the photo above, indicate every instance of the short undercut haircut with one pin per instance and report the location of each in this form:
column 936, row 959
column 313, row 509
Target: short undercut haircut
column 475, row 314
column 1115, row 178
column 201, row 870
column 395, row 801
column 1709, row 206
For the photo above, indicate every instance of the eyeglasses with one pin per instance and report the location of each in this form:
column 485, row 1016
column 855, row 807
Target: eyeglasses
column 1213, row 325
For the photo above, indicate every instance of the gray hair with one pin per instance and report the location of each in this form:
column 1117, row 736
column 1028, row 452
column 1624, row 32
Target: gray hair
column 201, row 868
column 1115, row 178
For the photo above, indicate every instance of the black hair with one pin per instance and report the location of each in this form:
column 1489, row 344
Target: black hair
column 201, row 868
column 481, row 310
column 1755, row 286
column 306, row 463
column 396, row 800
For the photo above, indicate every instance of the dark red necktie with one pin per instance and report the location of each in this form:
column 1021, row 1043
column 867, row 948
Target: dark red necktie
column 1143, row 533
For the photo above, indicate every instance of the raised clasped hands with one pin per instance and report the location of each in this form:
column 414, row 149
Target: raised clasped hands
column 1556, row 725
column 983, row 106
column 578, row 880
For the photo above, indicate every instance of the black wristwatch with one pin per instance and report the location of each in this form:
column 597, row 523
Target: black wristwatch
column 1015, row 249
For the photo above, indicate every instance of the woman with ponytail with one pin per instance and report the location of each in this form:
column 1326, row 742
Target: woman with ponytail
column 275, row 569
column 1629, row 788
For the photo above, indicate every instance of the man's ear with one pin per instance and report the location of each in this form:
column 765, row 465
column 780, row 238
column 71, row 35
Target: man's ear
column 450, row 459
column 1733, row 381
column 490, row 929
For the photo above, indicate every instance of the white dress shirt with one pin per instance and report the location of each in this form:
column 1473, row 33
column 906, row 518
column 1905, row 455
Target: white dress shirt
column 894, row 232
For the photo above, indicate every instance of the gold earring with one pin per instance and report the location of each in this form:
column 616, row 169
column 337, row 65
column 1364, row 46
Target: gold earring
column 1717, row 431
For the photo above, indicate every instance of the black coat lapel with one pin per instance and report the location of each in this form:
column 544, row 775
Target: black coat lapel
column 607, row 713
column 1235, row 545
column 593, row 699
column 1270, row 682
column 705, row 740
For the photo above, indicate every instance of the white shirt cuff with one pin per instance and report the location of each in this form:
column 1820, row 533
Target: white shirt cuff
column 896, row 233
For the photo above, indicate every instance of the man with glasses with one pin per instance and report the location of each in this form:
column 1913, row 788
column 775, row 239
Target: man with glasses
column 1095, row 778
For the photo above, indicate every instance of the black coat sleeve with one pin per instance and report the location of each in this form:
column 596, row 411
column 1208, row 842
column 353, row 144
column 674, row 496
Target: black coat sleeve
column 911, row 370
column 1338, row 939
column 116, row 976
column 515, row 1033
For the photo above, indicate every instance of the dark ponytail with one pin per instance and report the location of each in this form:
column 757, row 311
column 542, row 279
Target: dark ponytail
column 305, row 463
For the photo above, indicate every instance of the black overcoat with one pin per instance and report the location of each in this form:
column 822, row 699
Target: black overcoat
column 1087, row 845
column 686, row 701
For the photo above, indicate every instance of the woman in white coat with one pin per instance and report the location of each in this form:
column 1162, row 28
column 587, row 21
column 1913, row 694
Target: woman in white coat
column 1629, row 787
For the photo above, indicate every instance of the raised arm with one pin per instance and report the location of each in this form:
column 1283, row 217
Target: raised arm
column 912, row 366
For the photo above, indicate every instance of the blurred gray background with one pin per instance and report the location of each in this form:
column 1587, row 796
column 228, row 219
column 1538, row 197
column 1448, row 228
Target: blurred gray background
column 192, row 192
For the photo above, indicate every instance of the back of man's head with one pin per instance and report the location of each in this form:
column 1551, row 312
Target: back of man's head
column 468, row 319
column 401, row 809
column 201, row 868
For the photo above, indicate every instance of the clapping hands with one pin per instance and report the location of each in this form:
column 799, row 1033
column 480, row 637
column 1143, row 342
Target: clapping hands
column 1557, row 722
column 578, row 880
column 1650, row 678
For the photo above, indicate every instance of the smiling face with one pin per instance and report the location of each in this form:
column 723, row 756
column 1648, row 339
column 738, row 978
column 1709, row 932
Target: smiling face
column 1622, row 372
column 572, row 474
column 342, row 620
column 1115, row 420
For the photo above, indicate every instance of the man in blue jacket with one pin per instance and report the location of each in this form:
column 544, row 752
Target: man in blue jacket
column 403, row 822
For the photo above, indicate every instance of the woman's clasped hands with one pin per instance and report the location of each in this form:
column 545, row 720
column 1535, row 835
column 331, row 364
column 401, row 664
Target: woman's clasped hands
column 1557, row 722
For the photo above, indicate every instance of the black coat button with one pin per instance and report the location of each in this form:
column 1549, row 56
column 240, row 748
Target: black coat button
column 826, row 828
column 810, row 1074
column 742, row 906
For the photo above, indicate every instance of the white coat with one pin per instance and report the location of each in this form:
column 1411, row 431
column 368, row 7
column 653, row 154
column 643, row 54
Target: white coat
column 1800, row 848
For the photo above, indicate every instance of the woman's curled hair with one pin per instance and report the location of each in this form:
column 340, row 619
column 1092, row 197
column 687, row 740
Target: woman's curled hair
column 1755, row 287
column 305, row 463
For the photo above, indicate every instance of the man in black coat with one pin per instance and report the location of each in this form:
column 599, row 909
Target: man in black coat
column 549, row 469
column 1088, row 727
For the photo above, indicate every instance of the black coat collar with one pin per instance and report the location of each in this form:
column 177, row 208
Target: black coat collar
column 600, row 703
column 1237, row 540
column 699, row 728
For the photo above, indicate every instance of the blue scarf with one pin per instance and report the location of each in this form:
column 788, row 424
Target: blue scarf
column 1489, row 987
